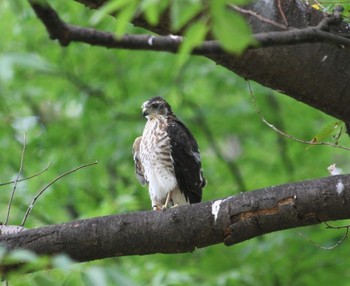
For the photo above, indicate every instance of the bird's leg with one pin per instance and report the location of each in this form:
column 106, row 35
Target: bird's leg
column 168, row 198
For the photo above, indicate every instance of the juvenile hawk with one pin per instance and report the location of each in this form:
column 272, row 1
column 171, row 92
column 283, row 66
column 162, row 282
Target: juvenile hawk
column 167, row 158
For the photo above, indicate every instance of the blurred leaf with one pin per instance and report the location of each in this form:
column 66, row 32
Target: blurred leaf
column 183, row 11
column 229, row 28
column 238, row 2
column 194, row 36
column 62, row 261
column 125, row 16
column 9, row 61
column 108, row 8
column 124, row 11
column 21, row 255
column 44, row 281
column 153, row 9
column 95, row 276
column 119, row 278
column 3, row 252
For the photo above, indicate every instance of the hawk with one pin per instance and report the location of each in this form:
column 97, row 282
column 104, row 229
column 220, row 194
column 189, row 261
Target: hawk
column 167, row 158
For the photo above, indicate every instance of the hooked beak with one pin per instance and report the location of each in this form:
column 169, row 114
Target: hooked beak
column 144, row 112
column 144, row 109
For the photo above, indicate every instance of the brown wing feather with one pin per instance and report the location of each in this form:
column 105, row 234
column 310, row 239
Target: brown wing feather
column 187, row 161
column 138, row 165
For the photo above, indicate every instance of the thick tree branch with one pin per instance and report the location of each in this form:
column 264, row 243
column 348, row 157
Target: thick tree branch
column 314, row 71
column 66, row 34
column 183, row 229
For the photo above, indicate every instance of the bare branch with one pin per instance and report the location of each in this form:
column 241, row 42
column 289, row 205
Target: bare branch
column 258, row 16
column 340, row 241
column 280, row 9
column 257, row 110
column 16, row 180
column 30, row 207
column 27, row 178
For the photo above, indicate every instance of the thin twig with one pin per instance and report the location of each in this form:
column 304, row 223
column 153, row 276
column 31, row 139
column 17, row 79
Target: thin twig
column 258, row 16
column 30, row 207
column 328, row 226
column 280, row 10
column 27, row 178
column 16, row 181
column 340, row 241
column 257, row 110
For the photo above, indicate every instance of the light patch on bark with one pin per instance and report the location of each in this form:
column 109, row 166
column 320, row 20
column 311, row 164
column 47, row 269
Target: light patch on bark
column 150, row 43
column 215, row 208
column 10, row 229
column 340, row 187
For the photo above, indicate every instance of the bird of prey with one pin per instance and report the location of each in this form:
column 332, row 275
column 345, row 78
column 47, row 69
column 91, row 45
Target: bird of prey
column 167, row 158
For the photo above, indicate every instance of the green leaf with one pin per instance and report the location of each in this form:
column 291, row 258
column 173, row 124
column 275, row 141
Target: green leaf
column 108, row 8
column 183, row 11
column 194, row 36
column 326, row 131
column 10, row 61
column 62, row 261
column 21, row 255
column 153, row 9
column 124, row 9
column 124, row 17
column 239, row 2
column 44, row 281
column 95, row 276
column 229, row 28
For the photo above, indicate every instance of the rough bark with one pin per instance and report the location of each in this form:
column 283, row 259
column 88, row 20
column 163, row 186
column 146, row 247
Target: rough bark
column 183, row 229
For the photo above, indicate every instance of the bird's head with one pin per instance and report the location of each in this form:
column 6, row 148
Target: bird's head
column 154, row 107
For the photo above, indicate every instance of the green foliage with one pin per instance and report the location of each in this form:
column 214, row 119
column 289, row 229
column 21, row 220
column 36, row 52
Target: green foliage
column 229, row 28
column 125, row 9
column 153, row 9
column 183, row 12
column 327, row 131
column 194, row 36
column 80, row 104
column 328, row 6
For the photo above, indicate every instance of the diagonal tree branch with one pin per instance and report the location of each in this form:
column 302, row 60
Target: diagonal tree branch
column 183, row 229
